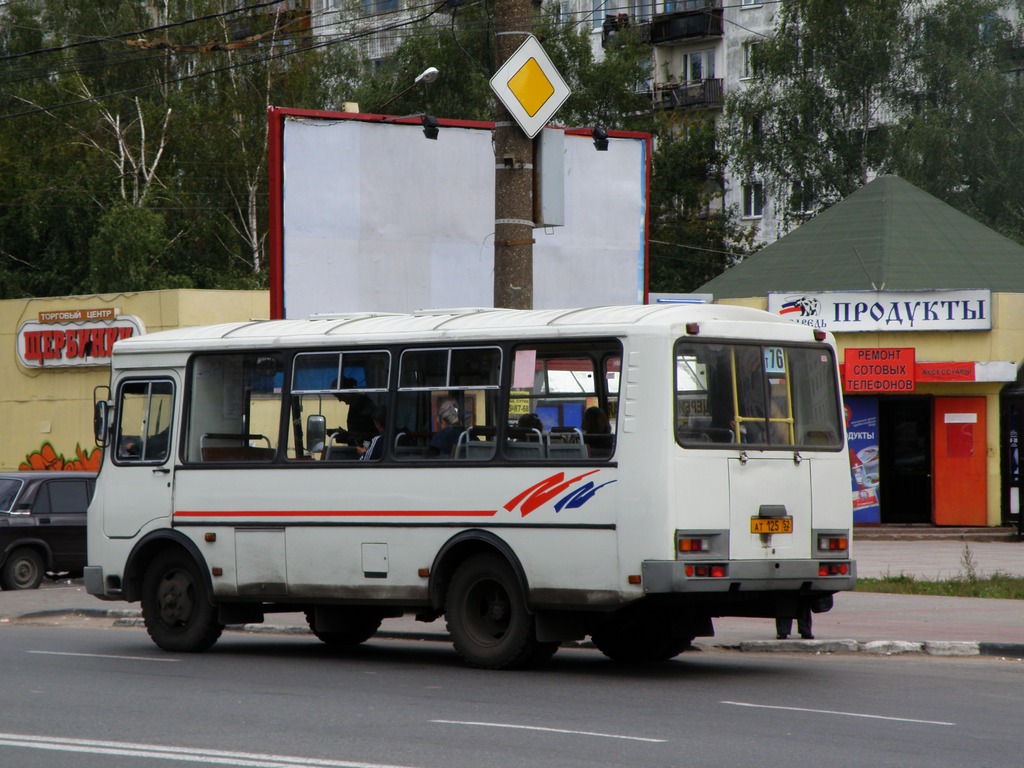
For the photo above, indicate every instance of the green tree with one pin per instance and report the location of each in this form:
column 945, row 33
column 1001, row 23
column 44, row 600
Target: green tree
column 127, row 252
column 814, row 113
column 692, row 238
column 960, row 133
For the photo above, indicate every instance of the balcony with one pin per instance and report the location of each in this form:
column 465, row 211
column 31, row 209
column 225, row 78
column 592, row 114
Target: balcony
column 687, row 20
column 706, row 94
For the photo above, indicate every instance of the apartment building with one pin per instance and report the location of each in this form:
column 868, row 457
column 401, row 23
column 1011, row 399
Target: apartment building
column 701, row 52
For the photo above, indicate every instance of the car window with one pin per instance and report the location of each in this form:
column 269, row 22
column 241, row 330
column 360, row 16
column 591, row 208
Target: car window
column 9, row 488
column 62, row 497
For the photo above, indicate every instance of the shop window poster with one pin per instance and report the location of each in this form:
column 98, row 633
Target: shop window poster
column 862, row 436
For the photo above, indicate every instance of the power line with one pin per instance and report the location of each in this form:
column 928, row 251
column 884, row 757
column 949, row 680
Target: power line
column 217, row 70
column 138, row 32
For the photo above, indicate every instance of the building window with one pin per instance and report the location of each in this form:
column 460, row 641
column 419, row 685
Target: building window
column 641, row 10
column 380, row 6
column 802, row 201
column 600, row 9
column 753, row 200
column 747, row 3
column 697, row 66
column 752, row 127
column 748, row 60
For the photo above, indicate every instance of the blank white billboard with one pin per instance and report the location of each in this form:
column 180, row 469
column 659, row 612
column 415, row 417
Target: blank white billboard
column 368, row 215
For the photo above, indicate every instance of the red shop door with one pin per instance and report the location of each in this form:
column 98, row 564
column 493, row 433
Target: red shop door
column 960, row 463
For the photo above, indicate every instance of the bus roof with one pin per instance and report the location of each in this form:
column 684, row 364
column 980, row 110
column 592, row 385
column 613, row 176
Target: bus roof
column 455, row 324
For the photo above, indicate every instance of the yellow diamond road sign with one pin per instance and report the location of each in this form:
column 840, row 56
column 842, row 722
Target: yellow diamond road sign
column 530, row 87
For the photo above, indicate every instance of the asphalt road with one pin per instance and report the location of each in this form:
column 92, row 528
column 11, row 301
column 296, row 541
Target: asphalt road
column 89, row 697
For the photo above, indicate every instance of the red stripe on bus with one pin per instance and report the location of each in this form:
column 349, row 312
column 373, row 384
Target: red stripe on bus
column 341, row 513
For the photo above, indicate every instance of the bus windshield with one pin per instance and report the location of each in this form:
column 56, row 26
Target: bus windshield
column 771, row 396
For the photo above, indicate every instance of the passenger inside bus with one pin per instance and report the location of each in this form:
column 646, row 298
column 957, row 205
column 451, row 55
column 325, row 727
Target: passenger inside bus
column 375, row 450
column 359, row 427
column 449, row 428
column 597, row 433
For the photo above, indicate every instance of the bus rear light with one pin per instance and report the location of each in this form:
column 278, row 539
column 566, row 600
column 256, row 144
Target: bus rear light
column 694, row 545
column 833, row 543
column 833, row 569
column 634, row 578
column 702, row 571
column 423, row 573
column 819, row 335
column 693, row 328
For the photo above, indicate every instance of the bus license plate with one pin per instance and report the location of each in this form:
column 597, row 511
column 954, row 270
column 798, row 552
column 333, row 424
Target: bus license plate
column 771, row 524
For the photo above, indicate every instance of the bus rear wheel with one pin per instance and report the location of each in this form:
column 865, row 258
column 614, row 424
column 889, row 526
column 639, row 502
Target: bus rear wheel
column 176, row 605
column 639, row 640
column 358, row 627
column 489, row 623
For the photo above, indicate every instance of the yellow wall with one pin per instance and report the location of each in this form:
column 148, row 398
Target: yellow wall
column 46, row 413
column 1005, row 342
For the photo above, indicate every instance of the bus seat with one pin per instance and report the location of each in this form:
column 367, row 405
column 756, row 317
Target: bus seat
column 566, row 443
column 338, row 450
column 476, row 444
column 524, row 444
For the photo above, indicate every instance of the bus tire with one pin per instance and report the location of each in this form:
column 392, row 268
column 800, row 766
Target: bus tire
column 640, row 641
column 487, row 616
column 176, row 605
column 360, row 626
column 23, row 569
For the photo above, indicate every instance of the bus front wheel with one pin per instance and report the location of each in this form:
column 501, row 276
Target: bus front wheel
column 176, row 606
column 487, row 616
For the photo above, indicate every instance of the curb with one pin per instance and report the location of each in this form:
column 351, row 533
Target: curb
column 940, row 648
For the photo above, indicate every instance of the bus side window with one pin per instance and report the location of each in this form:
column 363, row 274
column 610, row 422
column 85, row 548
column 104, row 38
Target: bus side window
column 235, row 407
column 447, row 403
column 568, row 394
column 348, row 389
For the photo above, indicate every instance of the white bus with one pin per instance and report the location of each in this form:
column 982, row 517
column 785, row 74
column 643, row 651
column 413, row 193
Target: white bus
column 627, row 473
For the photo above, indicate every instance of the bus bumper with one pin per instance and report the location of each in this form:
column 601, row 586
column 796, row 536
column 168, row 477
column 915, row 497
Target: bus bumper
column 92, row 575
column 680, row 576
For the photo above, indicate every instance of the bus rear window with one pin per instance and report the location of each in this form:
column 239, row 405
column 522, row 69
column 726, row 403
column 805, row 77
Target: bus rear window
column 768, row 395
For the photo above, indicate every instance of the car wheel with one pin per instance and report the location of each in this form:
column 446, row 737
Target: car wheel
column 23, row 569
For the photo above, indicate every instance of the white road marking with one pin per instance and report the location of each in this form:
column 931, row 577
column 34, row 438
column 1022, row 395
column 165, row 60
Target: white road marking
column 551, row 730
column 177, row 754
column 104, row 656
column 834, row 712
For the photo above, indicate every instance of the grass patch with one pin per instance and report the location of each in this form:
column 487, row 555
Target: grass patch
column 967, row 584
column 997, row 585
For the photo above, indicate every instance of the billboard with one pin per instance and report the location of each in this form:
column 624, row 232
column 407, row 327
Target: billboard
column 368, row 215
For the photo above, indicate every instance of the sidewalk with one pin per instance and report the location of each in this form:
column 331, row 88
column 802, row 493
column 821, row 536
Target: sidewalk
column 859, row 622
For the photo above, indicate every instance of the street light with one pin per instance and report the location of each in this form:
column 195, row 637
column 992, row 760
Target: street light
column 428, row 75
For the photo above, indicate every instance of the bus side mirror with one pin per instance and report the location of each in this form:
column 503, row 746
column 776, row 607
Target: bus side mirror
column 316, row 433
column 101, row 413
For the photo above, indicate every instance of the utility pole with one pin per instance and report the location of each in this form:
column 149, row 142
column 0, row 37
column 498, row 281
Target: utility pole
column 513, row 175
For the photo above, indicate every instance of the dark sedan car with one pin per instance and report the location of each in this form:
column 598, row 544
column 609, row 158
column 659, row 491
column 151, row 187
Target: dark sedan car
column 42, row 525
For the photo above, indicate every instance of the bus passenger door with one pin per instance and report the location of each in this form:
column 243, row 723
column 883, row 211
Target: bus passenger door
column 769, row 508
column 139, row 468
